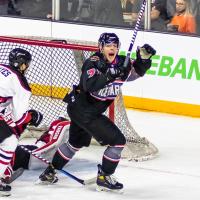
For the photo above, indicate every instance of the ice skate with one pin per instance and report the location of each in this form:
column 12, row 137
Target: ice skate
column 5, row 189
column 48, row 176
column 107, row 182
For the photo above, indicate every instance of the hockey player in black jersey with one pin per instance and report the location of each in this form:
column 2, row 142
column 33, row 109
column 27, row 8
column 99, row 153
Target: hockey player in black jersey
column 14, row 114
column 102, row 75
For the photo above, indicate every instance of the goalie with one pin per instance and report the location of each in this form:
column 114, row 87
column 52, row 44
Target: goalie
column 102, row 76
column 14, row 114
column 45, row 146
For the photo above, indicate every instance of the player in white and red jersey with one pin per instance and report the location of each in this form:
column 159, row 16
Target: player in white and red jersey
column 14, row 114
column 45, row 147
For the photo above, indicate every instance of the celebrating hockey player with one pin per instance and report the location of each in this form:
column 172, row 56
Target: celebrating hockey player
column 14, row 114
column 102, row 75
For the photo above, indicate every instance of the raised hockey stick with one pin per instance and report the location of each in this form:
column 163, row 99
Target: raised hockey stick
column 135, row 31
column 81, row 181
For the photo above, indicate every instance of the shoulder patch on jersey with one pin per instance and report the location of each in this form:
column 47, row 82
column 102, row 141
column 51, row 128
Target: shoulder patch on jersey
column 91, row 72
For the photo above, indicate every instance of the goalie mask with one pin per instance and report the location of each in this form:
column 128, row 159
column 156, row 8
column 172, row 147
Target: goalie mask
column 19, row 56
column 108, row 38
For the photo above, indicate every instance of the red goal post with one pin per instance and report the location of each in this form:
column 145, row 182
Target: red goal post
column 55, row 68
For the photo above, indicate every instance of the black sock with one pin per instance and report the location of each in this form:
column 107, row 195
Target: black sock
column 108, row 166
column 58, row 161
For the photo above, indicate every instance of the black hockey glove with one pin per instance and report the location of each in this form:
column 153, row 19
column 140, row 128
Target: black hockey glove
column 99, row 63
column 143, row 61
column 146, row 51
column 36, row 118
column 113, row 73
column 102, row 65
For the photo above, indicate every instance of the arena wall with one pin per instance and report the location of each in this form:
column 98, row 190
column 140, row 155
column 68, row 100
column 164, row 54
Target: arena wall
column 171, row 85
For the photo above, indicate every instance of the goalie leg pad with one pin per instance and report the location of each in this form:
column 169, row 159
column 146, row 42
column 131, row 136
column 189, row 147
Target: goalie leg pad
column 54, row 137
column 22, row 157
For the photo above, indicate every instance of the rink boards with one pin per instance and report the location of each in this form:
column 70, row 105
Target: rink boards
column 172, row 83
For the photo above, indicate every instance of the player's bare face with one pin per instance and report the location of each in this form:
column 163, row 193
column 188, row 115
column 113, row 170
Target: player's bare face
column 24, row 67
column 110, row 51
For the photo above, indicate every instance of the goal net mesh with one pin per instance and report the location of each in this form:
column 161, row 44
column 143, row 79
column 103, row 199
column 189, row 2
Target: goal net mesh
column 55, row 68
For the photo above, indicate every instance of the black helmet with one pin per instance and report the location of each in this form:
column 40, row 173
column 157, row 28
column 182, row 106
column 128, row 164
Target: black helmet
column 107, row 38
column 19, row 56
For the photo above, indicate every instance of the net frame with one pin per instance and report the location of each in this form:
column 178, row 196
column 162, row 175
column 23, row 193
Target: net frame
column 137, row 148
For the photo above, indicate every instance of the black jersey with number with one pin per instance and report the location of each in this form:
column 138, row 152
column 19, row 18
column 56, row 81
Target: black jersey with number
column 95, row 92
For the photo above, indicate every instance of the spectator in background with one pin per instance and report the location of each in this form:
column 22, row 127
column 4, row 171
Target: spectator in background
column 73, row 6
column 183, row 18
column 35, row 8
column 13, row 8
column 86, row 10
column 108, row 12
column 43, row 9
column 3, row 7
column 130, row 11
column 171, row 8
column 68, row 9
column 161, row 13
column 195, row 5
column 127, row 5
column 9, row 7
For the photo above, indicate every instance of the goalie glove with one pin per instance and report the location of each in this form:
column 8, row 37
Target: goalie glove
column 36, row 117
column 143, row 61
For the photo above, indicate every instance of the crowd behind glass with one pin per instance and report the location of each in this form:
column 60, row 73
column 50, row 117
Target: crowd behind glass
column 177, row 16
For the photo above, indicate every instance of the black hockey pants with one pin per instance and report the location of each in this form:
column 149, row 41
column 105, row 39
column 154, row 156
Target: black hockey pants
column 101, row 128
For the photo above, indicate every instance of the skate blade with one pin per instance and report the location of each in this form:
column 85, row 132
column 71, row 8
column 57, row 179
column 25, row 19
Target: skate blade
column 39, row 182
column 5, row 194
column 104, row 189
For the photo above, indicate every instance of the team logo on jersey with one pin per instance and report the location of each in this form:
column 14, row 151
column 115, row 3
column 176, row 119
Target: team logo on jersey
column 91, row 72
column 110, row 91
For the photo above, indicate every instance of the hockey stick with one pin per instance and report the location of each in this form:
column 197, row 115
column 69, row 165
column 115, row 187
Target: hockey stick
column 135, row 31
column 16, row 174
column 81, row 181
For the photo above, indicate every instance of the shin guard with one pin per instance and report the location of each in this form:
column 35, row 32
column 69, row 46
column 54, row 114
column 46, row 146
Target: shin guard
column 62, row 156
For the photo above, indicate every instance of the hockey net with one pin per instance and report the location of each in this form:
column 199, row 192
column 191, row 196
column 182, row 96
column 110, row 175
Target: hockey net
column 55, row 68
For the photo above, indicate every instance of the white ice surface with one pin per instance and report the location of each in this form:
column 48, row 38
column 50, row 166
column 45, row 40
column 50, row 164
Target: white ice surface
column 173, row 175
